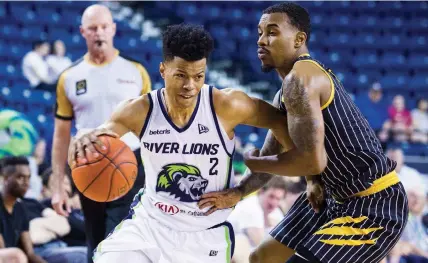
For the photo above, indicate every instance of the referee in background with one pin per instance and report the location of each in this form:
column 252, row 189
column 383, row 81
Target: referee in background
column 89, row 91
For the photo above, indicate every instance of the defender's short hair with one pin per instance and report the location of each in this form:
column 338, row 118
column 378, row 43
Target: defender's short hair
column 189, row 42
column 299, row 16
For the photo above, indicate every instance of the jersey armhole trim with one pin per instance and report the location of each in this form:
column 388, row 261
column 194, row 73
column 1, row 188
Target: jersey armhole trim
column 63, row 118
column 216, row 122
column 330, row 99
column 149, row 114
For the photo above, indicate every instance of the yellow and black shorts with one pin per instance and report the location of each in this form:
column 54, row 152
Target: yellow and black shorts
column 360, row 229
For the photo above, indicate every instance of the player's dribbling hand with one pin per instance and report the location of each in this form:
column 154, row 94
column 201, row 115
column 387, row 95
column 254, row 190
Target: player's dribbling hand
column 315, row 193
column 249, row 158
column 84, row 143
column 220, row 200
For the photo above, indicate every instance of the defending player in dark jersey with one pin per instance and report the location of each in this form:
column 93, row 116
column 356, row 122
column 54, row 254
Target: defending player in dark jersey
column 366, row 205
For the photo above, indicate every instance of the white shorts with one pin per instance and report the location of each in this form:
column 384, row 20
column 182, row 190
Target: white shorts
column 161, row 244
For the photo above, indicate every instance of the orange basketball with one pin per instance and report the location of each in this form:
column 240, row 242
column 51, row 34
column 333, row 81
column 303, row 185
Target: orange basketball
column 109, row 176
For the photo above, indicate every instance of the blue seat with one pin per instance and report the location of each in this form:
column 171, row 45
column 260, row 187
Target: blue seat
column 59, row 33
column 418, row 82
column 338, row 59
column 186, row 9
column 393, row 61
column 365, row 6
column 418, row 60
column 9, row 31
column 368, row 60
column 391, row 23
column 419, row 43
column 394, row 81
column 33, row 33
column 365, row 22
column 393, row 41
column 218, row 32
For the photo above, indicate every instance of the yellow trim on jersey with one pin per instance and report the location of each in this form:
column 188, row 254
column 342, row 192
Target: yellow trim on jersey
column 147, row 83
column 345, row 220
column 64, row 108
column 330, row 99
column 380, row 184
column 304, row 55
column 86, row 58
column 346, row 231
column 344, row 242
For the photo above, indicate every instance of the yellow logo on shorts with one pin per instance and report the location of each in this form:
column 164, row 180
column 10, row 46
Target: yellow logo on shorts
column 332, row 229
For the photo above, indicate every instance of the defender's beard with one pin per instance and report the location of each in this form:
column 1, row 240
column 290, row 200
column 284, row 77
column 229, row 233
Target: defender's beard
column 266, row 68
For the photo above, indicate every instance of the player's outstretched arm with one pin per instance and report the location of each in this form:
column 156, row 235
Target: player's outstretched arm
column 128, row 117
column 235, row 107
column 251, row 182
column 302, row 98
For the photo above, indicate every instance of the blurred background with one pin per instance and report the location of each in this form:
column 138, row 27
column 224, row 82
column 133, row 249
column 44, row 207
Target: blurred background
column 377, row 49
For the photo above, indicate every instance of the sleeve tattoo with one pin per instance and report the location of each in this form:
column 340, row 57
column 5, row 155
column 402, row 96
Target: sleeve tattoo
column 302, row 125
column 254, row 181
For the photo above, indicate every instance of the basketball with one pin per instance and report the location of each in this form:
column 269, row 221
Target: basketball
column 109, row 176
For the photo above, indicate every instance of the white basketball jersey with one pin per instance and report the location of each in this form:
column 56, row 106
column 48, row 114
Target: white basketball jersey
column 181, row 164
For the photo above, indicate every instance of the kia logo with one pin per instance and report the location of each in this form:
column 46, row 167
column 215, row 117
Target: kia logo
column 168, row 209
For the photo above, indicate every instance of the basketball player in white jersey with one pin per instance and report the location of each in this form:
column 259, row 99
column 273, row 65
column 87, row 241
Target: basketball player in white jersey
column 187, row 145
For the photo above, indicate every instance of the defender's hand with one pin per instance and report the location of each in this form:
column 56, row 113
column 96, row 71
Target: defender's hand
column 250, row 157
column 315, row 194
column 220, row 200
column 84, row 143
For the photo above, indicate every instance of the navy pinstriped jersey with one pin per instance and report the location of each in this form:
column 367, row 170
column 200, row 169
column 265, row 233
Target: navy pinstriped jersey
column 355, row 156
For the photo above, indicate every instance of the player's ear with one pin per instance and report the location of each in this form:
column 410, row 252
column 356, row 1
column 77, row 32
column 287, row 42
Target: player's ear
column 300, row 39
column 162, row 69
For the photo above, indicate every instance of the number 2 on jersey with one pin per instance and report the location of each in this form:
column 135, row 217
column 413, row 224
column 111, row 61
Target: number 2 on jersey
column 213, row 170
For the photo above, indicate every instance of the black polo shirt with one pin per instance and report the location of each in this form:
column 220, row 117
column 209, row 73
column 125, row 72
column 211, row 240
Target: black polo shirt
column 12, row 225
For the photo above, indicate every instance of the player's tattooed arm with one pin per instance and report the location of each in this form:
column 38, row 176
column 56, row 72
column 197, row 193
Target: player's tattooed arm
column 301, row 95
column 235, row 107
column 251, row 182
column 254, row 181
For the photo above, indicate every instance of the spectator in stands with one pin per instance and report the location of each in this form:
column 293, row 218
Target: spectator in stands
column 35, row 68
column 399, row 124
column 14, row 224
column 409, row 177
column 294, row 189
column 57, row 61
column 420, row 122
column 254, row 217
column 374, row 107
column 47, row 228
column 37, row 165
column 77, row 236
column 413, row 245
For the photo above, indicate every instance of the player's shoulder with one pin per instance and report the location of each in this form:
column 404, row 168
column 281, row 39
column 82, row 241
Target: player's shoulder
column 228, row 95
column 309, row 73
column 71, row 70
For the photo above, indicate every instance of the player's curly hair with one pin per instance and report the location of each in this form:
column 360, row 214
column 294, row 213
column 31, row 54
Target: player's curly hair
column 299, row 16
column 189, row 42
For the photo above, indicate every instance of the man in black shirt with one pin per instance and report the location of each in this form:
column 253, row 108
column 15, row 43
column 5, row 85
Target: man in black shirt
column 14, row 221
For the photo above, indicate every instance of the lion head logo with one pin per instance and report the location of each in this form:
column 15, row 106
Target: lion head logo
column 182, row 181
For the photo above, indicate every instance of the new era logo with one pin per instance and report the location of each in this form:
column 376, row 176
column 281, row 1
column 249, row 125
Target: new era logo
column 213, row 253
column 202, row 129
